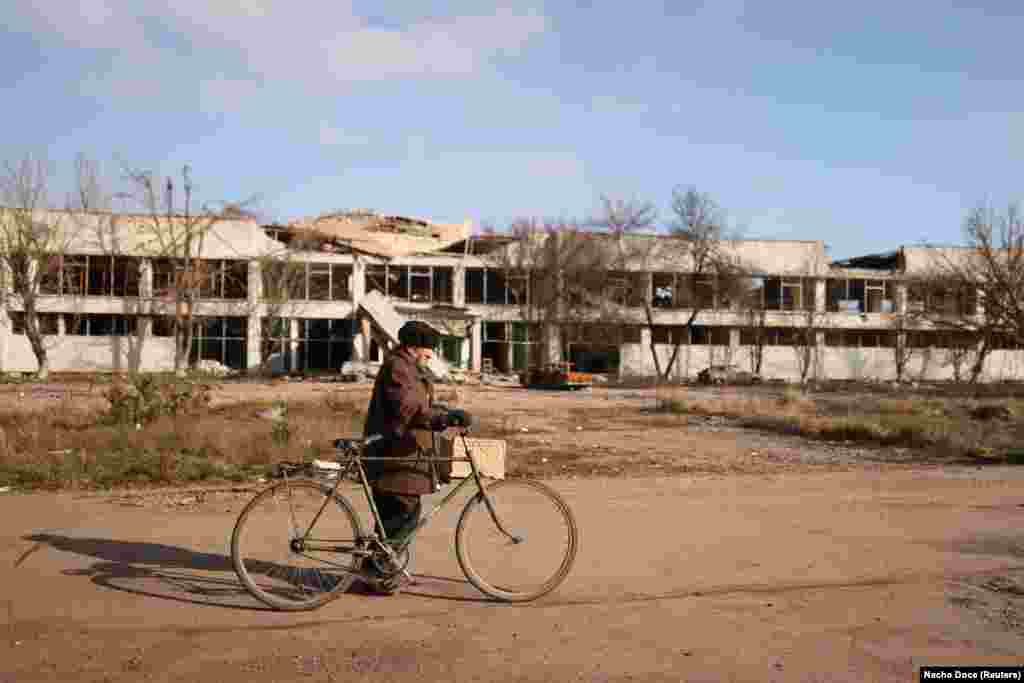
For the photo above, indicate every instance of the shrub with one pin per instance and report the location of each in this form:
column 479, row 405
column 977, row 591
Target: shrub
column 144, row 398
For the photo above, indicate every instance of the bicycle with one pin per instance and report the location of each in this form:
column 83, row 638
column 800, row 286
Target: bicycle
column 342, row 538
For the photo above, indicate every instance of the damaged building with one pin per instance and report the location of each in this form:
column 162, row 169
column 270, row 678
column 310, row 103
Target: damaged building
column 106, row 309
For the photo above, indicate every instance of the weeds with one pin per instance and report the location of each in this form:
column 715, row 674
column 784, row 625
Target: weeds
column 144, row 398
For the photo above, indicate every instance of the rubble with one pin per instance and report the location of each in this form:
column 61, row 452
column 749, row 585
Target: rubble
column 359, row 371
column 213, row 367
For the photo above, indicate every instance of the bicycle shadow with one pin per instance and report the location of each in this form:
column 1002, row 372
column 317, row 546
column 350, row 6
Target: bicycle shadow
column 180, row 574
column 156, row 570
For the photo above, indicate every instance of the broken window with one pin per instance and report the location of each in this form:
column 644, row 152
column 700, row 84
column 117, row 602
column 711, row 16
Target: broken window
column 495, row 331
column 855, row 296
column 474, row 286
column 211, row 282
column 772, row 294
column 164, row 270
column 49, row 323
column 103, row 325
column 320, row 281
column 236, row 279
column 705, row 292
column 398, row 282
column 836, row 293
column 74, row 277
column 221, row 339
column 753, row 294
column 878, row 296
column 1004, row 342
column 752, row 336
column 663, row 290
column 792, row 299
column 162, row 326
column 442, row 285
column 49, row 281
column 340, row 275
column 100, row 275
column 296, row 277
column 420, row 284
column 720, row 336
column 376, row 279
column 494, row 287
column 518, row 289
column 126, row 276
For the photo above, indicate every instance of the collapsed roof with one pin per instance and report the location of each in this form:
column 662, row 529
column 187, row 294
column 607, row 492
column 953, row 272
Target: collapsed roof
column 889, row 260
column 380, row 235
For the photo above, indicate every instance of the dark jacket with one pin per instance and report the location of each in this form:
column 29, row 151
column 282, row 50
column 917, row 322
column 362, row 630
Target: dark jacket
column 401, row 412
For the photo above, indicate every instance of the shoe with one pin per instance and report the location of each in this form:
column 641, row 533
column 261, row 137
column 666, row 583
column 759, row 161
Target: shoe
column 376, row 582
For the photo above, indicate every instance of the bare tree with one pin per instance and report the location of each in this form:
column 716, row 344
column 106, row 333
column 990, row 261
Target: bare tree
column 805, row 343
column 176, row 229
column 100, row 225
column 754, row 314
column 988, row 271
column 706, row 273
column 944, row 299
column 555, row 271
column 284, row 280
column 33, row 240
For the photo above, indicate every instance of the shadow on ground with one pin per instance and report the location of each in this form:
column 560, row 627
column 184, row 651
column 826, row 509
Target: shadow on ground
column 180, row 574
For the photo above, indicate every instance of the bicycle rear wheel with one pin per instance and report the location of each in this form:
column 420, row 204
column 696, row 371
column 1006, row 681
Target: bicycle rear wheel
column 285, row 559
column 540, row 553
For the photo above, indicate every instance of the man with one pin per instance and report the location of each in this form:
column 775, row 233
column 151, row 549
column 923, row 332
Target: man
column 401, row 405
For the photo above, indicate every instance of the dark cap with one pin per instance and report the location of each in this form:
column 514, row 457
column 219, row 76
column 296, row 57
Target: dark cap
column 418, row 334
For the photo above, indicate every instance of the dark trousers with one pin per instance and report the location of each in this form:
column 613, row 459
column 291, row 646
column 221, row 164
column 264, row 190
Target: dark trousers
column 396, row 511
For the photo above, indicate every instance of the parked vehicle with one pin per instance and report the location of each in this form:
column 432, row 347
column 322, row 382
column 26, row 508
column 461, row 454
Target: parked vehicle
column 726, row 374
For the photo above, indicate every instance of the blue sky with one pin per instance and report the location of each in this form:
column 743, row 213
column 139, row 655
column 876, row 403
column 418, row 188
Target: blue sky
column 867, row 125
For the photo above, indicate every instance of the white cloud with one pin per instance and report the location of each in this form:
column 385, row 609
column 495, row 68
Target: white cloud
column 322, row 45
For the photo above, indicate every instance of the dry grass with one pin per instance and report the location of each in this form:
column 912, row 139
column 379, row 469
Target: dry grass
column 66, row 446
column 943, row 427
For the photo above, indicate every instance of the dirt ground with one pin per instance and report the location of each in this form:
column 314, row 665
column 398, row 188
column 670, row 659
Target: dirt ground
column 708, row 553
column 861, row 575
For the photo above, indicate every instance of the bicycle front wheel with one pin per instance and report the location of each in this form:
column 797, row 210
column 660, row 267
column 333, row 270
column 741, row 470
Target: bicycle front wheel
column 296, row 546
column 536, row 553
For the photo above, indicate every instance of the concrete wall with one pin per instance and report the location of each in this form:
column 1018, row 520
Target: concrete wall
column 781, row 362
column 91, row 354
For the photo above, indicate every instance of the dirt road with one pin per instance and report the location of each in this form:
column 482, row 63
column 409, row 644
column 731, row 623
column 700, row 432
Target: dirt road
column 847, row 576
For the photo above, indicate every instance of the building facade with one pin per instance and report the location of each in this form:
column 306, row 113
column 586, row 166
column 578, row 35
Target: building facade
column 105, row 309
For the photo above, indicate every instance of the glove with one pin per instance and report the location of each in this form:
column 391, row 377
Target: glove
column 459, row 418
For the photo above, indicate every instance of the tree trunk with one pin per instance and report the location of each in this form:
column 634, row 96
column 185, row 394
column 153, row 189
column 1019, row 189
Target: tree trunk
column 35, row 338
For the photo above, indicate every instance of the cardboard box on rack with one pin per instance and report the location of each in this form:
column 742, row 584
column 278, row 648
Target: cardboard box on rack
column 488, row 453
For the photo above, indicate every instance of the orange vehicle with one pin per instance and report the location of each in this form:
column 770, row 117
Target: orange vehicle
column 558, row 376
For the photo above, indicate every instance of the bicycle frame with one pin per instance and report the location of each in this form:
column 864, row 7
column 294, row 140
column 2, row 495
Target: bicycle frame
column 406, row 536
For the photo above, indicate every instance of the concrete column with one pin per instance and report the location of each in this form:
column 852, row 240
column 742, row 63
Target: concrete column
column 146, row 278
column 365, row 335
column 476, row 345
column 553, row 334
column 253, row 341
column 358, row 284
column 820, row 291
column 465, row 353
column 254, row 331
column 901, row 297
column 509, row 356
column 293, row 344
column 254, row 284
column 818, row 368
column 459, row 286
